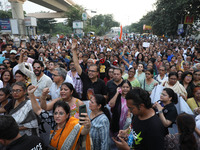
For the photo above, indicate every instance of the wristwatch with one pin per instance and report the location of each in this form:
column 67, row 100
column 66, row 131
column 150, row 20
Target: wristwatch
column 160, row 111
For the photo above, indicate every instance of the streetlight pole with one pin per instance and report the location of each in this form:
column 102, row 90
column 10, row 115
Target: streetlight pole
column 92, row 11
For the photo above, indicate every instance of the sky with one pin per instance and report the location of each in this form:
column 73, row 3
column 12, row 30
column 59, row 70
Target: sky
column 125, row 11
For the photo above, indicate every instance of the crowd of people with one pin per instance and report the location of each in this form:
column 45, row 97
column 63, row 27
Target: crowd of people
column 42, row 87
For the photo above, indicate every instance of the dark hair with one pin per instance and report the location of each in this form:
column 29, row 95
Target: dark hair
column 9, row 129
column 62, row 104
column 7, row 60
column 107, row 71
column 186, row 126
column 100, row 100
column 118, row 69
column 11, row 76
column 150, row 70
column 116, row 111
column 172, row 94
column 22, row 84
column 137, row 60
column 21, row 73
column 185, row 74
column 3, row 65
column 39, row 62
column 173, row 74
column 70, row 86
column 139, row 96
column 131, row 68
column 5, row 91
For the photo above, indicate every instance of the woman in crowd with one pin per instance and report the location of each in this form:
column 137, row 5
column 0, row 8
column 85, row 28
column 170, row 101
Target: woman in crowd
column 68, row 94
column 21, row 77
column 194, row 102
column 109, row 75
column 174, row 84
column 162, row 76
column 167, row 112
column 158, row 62
column 140, row 75
column 134, row 81
column 196, row 77
column 173, row 61
column 149, row 83
column 7, row 79
column 4, row 98
column 184, row 139
column 140, row 58
column 21, row 110
column 180, row 72
column 68, row 130
column 119, row 108
column 99, row 116
column 187, row 83
column 7, row 62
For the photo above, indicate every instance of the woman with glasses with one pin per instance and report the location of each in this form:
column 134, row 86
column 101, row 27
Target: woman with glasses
column 3, row 67
column 67, row 94
column 7, row 62
column 187, row 83
column 134, row 81
column 20, row 109
column 174, row 84
column 68, row 133
column 149, row 82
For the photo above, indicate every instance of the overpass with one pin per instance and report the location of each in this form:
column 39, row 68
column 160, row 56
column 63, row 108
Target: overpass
column 59, row 6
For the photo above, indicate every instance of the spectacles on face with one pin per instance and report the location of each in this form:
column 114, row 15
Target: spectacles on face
column 2, row 68
column 147, row 73
column 55, row 75
column 173, row 79
column 16, row 91
column 6, row 63
column 92, row 71
column 59, row 113
column 197, row 74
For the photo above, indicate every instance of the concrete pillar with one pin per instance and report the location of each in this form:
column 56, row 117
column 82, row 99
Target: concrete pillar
column 18, row 13
column 17, row 8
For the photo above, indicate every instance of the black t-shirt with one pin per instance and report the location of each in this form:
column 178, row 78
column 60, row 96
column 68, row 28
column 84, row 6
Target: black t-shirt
column 26, row 143
column 13, row 64
column 112, row 87
column 170, row 113
column 99, row 86
column 103, row 67
column 149, row 132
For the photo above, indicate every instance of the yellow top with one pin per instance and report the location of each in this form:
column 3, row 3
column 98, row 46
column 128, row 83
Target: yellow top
column 192, row 103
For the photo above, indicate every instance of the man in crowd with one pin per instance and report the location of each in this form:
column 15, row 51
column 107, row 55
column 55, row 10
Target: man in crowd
column 90, row 80
column 38, row 78
column 11, row 138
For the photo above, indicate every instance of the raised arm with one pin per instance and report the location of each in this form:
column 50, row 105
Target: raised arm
column 36, row 107
column 75, row 57
column 43, row 102
column 113, row 100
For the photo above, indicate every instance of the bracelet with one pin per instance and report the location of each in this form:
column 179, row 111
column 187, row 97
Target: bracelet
column 160, row 112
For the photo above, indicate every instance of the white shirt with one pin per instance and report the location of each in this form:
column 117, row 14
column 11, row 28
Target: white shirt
column 54, row 91
column 1, row 84
column 17, row 68
column 44, row 82
column 69, row 79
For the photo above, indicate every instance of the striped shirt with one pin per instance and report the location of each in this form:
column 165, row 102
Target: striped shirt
column 99, row 132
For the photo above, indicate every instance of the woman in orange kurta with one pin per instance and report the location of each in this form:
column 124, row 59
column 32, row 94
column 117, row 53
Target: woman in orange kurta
column 68, row 130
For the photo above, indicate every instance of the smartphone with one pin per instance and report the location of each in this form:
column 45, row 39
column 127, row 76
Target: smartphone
column 82, row 109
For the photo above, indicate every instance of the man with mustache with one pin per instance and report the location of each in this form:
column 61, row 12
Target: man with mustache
column 38, row 78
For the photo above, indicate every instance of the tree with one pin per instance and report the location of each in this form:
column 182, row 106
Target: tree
column 102, row 23
column 74, row 13
column 5, row 14
column 61, row 28
column 167, row 15
column 46, row 25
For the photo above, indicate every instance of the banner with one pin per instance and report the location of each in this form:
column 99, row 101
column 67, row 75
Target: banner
column 145, row 27
column 189, row 19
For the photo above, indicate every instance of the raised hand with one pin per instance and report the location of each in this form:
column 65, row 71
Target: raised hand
column 31, row 89
column 45, row 91
column 74, row 44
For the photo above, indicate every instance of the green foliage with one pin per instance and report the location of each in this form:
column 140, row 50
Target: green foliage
column 102, row 23
column 46, row 25
column 5, row 14
column 74, row 13
column 61, row 28
column 167, row 15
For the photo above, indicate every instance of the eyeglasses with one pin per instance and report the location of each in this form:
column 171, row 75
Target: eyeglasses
column 173, row 79
column 92, row 71
column 55, row 75
column 147, row 73
column 59, row 113
column 6, row 63
column 2, row 68
column 16, row 91
column 197, row 74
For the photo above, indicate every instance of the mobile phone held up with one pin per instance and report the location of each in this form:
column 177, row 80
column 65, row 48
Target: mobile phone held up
column 82, row 109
